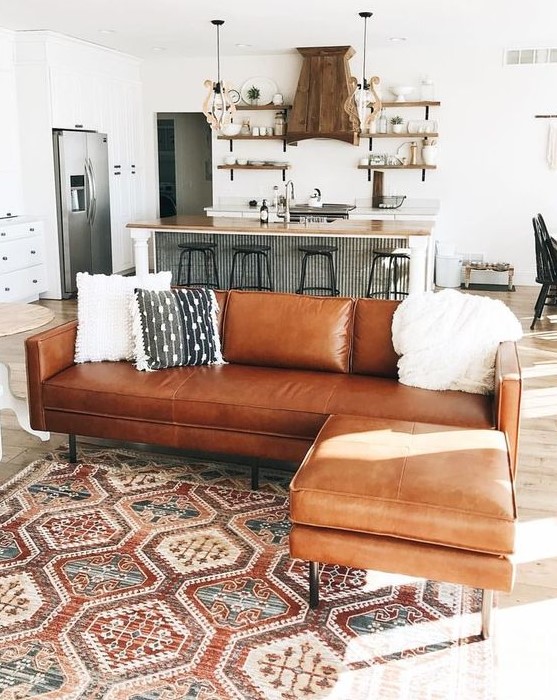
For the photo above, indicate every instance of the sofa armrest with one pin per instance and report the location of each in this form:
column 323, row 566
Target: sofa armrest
column 46, row 354
column 508, row 395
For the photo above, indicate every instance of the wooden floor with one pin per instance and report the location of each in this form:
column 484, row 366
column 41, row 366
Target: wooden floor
column 525, row 638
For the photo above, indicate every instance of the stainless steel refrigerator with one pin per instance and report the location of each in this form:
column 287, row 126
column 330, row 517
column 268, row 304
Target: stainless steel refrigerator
column 83, row 201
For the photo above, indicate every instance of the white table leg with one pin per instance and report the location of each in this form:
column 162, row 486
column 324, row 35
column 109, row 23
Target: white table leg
column 140, row 237
column 17, row 405
column 419, row 250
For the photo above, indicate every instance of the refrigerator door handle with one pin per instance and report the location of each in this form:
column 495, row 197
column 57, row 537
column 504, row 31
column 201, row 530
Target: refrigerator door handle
column 88, row 191
column 93, row 193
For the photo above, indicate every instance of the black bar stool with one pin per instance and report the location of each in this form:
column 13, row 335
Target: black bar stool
column 324, row 253
column 260, row 255
column 207, row 250
column 396, row 264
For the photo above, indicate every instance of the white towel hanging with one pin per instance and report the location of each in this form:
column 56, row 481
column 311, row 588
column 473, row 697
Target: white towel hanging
column 552, row 144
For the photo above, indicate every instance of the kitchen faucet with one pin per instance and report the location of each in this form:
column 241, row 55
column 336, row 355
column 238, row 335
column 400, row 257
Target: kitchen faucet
column 288, row 199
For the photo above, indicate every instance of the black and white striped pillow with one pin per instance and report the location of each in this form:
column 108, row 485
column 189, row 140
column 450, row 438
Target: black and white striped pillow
column 176, row 327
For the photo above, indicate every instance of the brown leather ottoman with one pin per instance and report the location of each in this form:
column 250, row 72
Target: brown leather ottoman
column 412, row 498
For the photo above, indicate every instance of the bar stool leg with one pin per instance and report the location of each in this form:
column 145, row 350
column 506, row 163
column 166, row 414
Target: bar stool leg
column 333, row 275
column 242, row 270
column 188, row 279
column 232, row 271
column 301, row 287
column 259, row 277
column 215, row 268
column 371, row 277
column 268, row 264
column 180, row 264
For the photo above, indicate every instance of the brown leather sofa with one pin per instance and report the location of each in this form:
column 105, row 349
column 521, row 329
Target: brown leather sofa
column 292, row 361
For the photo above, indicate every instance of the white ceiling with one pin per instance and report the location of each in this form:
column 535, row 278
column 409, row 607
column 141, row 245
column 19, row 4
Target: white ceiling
column 182, row 27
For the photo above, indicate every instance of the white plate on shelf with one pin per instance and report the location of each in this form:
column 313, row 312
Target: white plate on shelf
column 267, row 88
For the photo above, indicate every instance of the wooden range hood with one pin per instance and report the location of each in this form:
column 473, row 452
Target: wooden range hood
column 324, row 106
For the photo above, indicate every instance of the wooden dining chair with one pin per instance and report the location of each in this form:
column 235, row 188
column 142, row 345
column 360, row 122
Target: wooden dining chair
column 546, row 267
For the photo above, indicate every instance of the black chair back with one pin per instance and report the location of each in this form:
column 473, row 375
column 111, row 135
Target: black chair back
column 546, row 253
column 546, row 267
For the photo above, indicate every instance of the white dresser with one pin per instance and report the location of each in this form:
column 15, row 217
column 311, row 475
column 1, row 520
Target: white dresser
column 22, row 268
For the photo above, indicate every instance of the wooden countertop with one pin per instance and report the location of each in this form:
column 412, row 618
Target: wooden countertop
column 339, row 228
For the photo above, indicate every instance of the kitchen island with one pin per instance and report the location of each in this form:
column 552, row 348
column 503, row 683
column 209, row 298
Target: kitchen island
column 356, row 241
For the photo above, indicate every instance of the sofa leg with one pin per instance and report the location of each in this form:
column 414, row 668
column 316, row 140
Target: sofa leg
column 72, row 445
column 254, row 478
column 487, row 607
column 313, row 584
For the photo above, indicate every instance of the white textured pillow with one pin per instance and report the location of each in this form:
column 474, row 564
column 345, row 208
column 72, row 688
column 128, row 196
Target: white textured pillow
column 104, row 330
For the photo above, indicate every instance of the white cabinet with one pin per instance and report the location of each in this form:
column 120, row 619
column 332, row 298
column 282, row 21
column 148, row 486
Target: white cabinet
column 10, row 184
column 123, row 119
column 75, row 99
column 22, row 268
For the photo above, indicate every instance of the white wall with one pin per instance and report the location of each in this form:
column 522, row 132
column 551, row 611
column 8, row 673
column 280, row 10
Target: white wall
column 492, row 176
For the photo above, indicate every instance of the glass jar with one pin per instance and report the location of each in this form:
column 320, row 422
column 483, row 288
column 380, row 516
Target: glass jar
column 280, row 124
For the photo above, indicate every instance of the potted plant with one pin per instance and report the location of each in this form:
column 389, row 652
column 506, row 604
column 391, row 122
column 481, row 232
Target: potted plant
column 397, row 122
column 254, row 93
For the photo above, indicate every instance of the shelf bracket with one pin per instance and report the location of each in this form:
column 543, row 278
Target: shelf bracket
column 369, row 175
column 427, row 112
column 284, row 145
column 423, row 175
column 284, row 175
column 231, row 175
column 370, row 144
column 231, row 142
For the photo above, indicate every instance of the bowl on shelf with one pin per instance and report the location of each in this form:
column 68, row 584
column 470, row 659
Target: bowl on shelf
column 401, row 92
column 231, row 129
column 242, row 161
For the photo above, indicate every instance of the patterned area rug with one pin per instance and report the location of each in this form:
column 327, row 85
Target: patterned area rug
column 138, row 577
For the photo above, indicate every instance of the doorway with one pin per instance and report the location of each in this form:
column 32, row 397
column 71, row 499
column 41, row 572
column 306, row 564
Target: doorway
column 185, row 163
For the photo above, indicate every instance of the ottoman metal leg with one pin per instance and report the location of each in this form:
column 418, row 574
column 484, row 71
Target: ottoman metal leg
column 487, row 607
column 313, row 584
column 72, row 448
column 254, row 477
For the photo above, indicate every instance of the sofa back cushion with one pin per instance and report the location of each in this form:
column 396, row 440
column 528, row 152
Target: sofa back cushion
column 373, row 351
column 288, row 330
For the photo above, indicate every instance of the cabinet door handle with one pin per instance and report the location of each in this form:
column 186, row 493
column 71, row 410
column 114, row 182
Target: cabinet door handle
column 34, row 281
column 6, row 289
column 78, row 126
column 31, row 229
column 3, row 233
column 33, row 252
column 4, row 257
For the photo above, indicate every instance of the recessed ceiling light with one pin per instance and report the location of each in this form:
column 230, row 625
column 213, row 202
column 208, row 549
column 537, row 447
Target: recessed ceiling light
column 107, row 31
column 244, row 46
column 158, row 49
column 397, row 38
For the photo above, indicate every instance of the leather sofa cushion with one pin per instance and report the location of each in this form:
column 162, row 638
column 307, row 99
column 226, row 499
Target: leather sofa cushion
column 373, row 351
column 414, row 481
column 256, row 400
column 384, row 398
column 288, row 330
column 115, row 389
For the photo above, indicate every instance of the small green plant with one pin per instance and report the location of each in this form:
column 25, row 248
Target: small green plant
column 397, row 120
column 254, row 93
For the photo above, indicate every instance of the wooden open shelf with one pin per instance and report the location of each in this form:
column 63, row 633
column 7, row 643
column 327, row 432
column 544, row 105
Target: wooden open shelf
column 241, row 137
column 419, row 166
column 250, row 108
column 408, row 103
column 234, row 167
column 391, row 135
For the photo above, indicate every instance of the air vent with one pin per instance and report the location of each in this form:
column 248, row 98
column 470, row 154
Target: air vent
column 529, row 57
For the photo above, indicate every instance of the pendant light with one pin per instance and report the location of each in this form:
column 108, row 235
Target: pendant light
column 217, row 106
column 366, row 89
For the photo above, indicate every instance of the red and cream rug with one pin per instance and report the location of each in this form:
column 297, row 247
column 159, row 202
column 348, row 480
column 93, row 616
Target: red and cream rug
column 141, row 577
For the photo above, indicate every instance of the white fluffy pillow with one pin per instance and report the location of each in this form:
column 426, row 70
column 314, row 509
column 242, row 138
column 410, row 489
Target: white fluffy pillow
column 104, row 330
column 448, row 340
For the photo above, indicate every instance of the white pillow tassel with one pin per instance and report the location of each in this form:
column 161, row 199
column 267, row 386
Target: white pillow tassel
column 141, row 357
